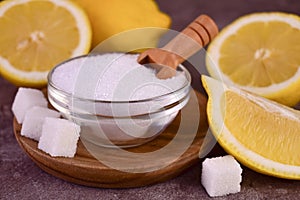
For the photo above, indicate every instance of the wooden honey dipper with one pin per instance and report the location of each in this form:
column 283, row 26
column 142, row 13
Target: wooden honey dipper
column 166, row 59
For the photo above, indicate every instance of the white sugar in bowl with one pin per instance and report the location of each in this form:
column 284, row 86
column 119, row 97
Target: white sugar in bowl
column 116, row 101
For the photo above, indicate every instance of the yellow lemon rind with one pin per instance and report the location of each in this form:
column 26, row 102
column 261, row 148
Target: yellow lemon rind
column 123, row 16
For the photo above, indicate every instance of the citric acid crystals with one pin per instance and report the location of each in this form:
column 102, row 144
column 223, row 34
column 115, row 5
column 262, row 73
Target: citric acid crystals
column 115, row 100
column 113, row 77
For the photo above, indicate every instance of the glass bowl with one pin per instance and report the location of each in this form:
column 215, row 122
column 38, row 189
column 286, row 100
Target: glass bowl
column 119, row 123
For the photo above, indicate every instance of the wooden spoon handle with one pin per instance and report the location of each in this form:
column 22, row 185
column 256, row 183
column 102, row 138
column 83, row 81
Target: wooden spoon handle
column 195, row 36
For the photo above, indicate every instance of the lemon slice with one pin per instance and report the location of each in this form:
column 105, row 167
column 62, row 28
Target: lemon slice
column 260, row 53
column 260, row 133
column 38, row 34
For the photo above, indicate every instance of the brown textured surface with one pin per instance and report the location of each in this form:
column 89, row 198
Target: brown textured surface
column 20, row 178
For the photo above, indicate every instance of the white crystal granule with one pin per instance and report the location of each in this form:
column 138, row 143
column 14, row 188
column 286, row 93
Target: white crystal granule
column 113, row 76
column 25, row 99
column 59, row 137
column 34, row 119
column 221, row 176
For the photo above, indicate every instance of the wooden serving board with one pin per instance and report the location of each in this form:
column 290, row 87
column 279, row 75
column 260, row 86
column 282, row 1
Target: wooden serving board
column 84, row 169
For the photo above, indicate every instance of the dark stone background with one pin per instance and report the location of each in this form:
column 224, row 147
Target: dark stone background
column 20, row 178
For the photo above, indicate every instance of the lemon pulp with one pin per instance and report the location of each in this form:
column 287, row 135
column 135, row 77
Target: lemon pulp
column 269, row 133
column 37, row 35
column 259, row 53
column 260, row 133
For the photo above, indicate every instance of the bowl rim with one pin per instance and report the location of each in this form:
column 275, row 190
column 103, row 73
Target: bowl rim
column 187, row 85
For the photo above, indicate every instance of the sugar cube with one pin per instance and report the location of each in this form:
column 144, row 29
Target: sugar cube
column 34, row 119
column 221, row 176
column 25, row 99
column 59, row 137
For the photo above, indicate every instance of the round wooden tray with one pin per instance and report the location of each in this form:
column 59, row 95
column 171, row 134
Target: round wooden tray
column 84, row 169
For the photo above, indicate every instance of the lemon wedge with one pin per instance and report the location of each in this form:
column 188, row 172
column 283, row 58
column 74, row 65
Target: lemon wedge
column 260, row 53
column 262, row 134
column 38, row 34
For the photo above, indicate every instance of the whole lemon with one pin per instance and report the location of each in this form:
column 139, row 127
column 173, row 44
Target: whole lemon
column 109, row 18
